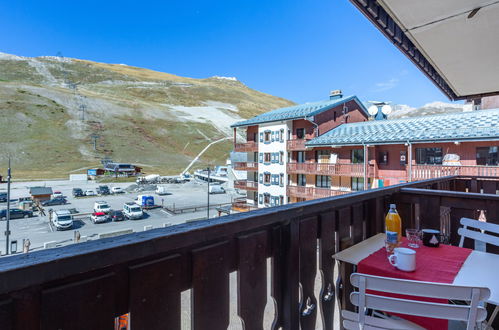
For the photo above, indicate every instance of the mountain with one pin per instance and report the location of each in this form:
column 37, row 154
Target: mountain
column 433, row 108
column 53, row 109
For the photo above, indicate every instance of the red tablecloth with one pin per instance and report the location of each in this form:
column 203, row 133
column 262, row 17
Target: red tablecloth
column 432, row 265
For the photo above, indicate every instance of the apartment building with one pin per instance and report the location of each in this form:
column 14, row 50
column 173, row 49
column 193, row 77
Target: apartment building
column 276, row 139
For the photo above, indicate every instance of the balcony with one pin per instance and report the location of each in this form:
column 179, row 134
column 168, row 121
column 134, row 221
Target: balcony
column 246, row 166
column 313, row 192
column 422, row 172
column 246, row 185
column 249, row 146
column 88, row 285
column 242, row 205
column 356, row 170
column 296, row 144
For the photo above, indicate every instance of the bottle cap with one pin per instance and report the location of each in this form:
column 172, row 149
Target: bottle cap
column 392, row 206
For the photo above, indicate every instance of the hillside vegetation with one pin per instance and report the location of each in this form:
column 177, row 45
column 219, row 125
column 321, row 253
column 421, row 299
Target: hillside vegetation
column 51, row 107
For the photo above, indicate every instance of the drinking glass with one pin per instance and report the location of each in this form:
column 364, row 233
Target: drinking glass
column 413, row 237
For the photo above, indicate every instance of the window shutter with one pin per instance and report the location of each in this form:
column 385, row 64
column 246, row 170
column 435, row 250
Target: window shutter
column 271, row 201
column 272, row 134
column 261, row 137
column 261, row 178
column 260, row 157
column 260, row 199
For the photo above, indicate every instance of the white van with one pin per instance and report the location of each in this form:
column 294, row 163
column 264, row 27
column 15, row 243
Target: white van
column 62, row 219
column 161, row 190
column 102, row 206
column 132, row 211
column 216, row 189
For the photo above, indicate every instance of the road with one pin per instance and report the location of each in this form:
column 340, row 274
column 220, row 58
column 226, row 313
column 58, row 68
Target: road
column 39, row 230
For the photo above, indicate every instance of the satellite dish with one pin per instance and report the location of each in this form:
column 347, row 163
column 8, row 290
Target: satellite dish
column 386, row 109
column 373, row 110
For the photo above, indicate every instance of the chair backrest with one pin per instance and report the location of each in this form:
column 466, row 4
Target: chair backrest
column 478, row 236
column 471, row 313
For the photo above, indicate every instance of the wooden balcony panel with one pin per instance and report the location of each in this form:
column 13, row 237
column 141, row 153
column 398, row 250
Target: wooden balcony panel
column 249, row 146
column 246, row 166
column 313, row 192
column 296, row 144
column 338, row 169
column 87, row 285
column 422, row 172
column 246, row 185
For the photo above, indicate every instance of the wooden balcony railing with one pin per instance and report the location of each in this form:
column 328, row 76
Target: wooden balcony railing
column 314, row 192
column 88, row 285
column 246, row 147
column 422, row 172
column 356, row 170
column 241, row 205
column 246, row 185
column 296, row 144
column 246, row 166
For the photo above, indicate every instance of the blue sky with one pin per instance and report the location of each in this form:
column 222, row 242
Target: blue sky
column 298, row 50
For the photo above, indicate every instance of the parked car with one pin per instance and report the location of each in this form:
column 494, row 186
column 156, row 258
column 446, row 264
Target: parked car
column 78, row 192
column 55, row 201
column 3, row 197
column 102, row 206
column 99, row 217
column 90, row 192
column 216, row 189
column 62, row 219
column 103, row 190
column 117, row 190
column 15, row 214
column 117, row 215
column 57, row 194
column 132, row 211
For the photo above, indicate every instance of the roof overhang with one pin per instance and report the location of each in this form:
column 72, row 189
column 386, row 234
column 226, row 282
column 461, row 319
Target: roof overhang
column 453, row 42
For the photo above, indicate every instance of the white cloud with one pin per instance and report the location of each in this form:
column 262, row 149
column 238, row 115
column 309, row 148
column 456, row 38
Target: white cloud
column 386, row 85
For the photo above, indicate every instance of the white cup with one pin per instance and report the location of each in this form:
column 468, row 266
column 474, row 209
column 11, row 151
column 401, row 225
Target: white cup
column 404, row 259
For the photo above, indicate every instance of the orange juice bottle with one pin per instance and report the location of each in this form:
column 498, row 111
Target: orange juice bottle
column 393, row 227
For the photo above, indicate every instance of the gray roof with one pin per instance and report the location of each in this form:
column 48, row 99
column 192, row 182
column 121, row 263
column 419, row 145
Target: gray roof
column 40, row 191
column 298, row 111
column 473, row 125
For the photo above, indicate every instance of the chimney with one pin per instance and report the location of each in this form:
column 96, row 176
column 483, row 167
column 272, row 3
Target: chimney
column 336, row 94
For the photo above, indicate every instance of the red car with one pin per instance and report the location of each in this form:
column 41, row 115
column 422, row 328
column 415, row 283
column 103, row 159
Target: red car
column 99, row 217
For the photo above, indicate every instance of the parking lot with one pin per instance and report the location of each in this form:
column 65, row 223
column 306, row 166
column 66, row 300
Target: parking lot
column 39, row 230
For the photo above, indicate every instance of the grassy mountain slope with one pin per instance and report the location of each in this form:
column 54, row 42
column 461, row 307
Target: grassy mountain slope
column 141, row 116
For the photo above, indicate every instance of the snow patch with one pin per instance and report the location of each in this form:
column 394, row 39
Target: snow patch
column 225, row 78
column 5, row 56
column 221, row 105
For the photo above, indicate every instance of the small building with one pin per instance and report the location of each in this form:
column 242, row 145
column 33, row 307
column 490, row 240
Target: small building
column 40, row 193
column 122, row 169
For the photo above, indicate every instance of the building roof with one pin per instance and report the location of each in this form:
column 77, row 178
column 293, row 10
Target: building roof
column 35, row 191
column 474, row 125
column 454, row 43
column 298, row 111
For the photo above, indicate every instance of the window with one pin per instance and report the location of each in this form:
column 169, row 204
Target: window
column 261, row 137
column 266, row 199
column 266, row 136
column 260, row 199
column 302, row 180
column 322, row 156
column 334, row 116
column 300, row 157
column 255, row 176
column 267, row 157
column 281, row 200
column 357, row 184
column 487, row 156
column 255, row 137
column 323, row 181
column 383, row 157
column 289, row 134
column 260, row 157
column 266, row 178
column 281, row 179
column 300, row 133
column 429, row 156
column 357, row 156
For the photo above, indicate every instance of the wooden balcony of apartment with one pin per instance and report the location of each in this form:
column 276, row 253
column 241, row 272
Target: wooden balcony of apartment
column 246, row 166
column 296, row 144
column 349, row 169
column 246, row 185
column 151, row 274
column 242, row 205
column 249, row 146
column 314, row 192
column 422, row 172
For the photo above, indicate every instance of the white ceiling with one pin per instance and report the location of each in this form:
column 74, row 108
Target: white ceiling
column 464, row 51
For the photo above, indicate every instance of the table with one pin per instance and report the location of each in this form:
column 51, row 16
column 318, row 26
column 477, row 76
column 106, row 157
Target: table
column 479, row 269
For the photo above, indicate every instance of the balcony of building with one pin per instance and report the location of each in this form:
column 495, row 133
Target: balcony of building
column 314, row 192
column 246, row 185
column 249, row 146
column 296, row 144
column 338, row 169
column 422, row 172
column 243, row 205
column 246, row 166
column 147, row 274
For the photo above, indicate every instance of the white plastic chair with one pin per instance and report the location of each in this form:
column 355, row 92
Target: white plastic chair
column 471, row 314
column 480, row 238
